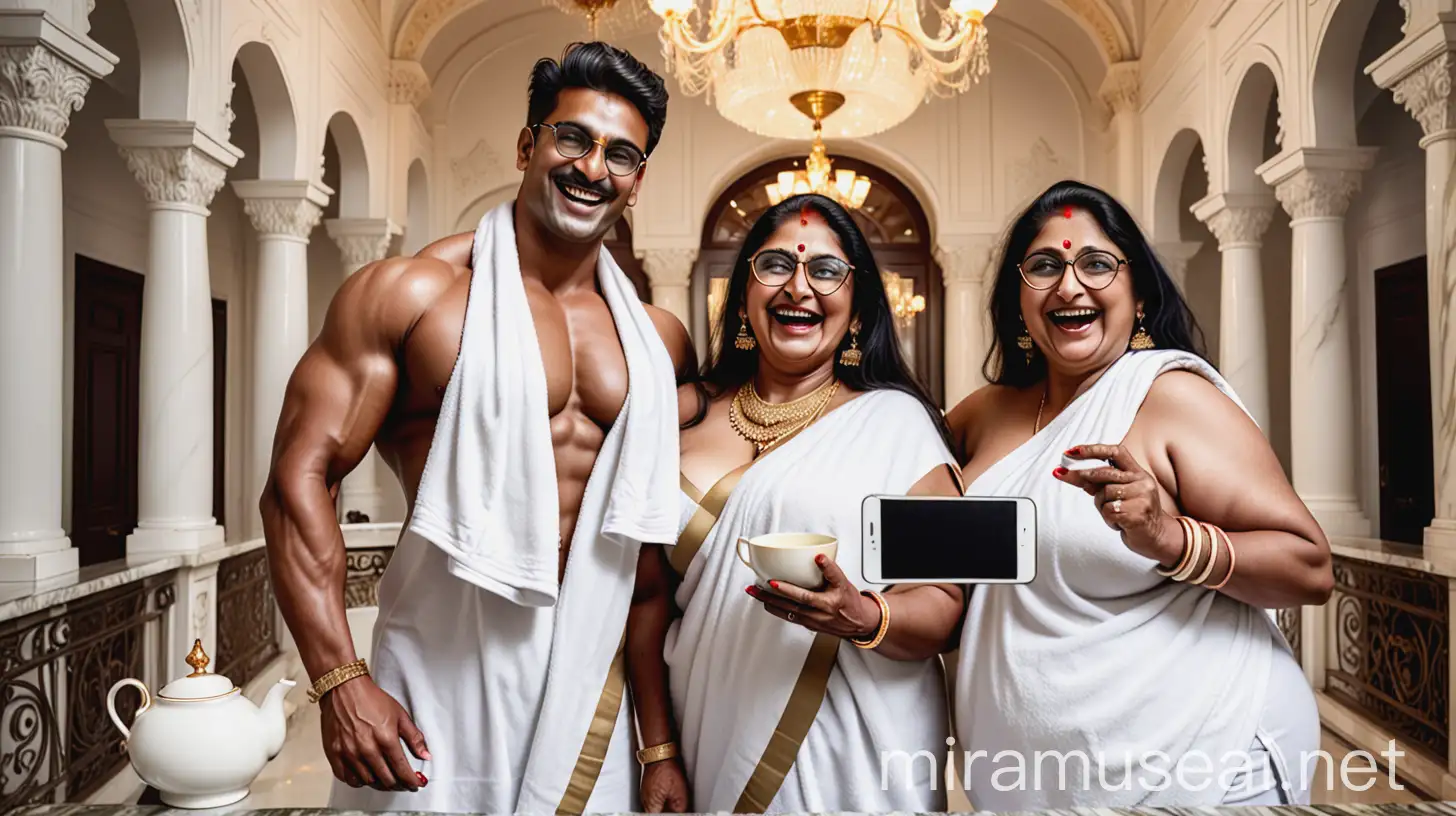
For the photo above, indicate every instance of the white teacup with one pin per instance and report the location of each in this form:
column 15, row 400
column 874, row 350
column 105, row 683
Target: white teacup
column 788, row 557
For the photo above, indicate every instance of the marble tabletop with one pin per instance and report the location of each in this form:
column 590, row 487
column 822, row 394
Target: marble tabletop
column 1415, row 809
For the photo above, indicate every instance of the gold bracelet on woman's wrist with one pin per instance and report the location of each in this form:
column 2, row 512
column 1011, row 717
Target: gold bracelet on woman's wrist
column 884, row 627
column 335, row 678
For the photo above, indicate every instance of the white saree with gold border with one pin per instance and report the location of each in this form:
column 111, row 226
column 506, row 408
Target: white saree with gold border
column 745, row 684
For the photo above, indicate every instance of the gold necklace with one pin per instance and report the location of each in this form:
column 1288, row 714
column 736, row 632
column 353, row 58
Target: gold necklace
column 1035, row 429
column 765, row 423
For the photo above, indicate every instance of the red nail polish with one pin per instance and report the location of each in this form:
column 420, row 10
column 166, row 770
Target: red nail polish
column 820, row 560
column 423, row 780
column 1059, row 472
column 1074, row 451
column 750, row 592
column 774, row 584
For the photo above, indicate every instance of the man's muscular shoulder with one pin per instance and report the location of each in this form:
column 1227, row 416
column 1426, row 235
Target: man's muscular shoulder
column 675, row 336
column 386, row 298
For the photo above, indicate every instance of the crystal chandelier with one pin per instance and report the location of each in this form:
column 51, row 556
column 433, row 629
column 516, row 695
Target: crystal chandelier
column 752, row 57
column 819, row 175
column 903, row 300
column 595, row 10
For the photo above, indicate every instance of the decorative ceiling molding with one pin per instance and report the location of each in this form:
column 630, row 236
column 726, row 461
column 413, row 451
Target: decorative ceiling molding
column 1108, row 31
column 421, row 22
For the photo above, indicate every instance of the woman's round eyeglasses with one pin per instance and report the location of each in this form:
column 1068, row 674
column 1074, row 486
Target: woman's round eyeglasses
column 572, row 142
column 1094, row 270
column 776, row 267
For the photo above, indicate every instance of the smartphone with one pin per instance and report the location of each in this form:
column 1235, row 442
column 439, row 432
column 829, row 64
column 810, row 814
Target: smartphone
column 960, row 540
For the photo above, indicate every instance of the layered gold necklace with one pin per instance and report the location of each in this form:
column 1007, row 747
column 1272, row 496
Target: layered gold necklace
column 765, row 423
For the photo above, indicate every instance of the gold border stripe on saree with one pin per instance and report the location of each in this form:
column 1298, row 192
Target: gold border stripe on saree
column 598, row 737
column 793, row 726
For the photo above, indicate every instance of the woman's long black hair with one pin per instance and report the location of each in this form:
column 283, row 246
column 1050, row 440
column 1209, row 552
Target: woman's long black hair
column 882, row 365
column 1166, row 316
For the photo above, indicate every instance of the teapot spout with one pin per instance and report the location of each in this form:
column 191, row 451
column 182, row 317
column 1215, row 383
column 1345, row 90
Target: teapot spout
column 274, row 721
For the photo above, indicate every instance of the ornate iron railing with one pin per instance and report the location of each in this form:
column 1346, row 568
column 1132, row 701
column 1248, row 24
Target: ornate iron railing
column 1390, row 655
column 362, row 572
column 57, row 743
column 247, row 617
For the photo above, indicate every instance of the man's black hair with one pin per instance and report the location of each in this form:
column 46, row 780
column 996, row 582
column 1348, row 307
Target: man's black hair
column 600, row 67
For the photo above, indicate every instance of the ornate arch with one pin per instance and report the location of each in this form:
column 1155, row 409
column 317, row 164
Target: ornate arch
column 353, row 193
column 1169, row 188
column 277, row 118
column 1260, row 78
column 1098, row 17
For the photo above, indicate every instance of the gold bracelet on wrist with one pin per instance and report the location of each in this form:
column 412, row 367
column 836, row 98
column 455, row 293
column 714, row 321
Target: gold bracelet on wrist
column 657, row 753
column 879, row 635
column 335, row 678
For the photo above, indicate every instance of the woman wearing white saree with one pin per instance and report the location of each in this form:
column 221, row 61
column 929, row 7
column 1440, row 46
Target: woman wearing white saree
column 1143, row 650
column 789, row 699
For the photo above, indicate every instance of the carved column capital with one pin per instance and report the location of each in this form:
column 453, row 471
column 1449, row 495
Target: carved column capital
column 282, row 208
column 1120, row 89
column 1317, row 183
column 1426, row 94
column 408, row 83
column 361, row 240
column 175, row 175
column 669, row 266
column 39, row 90
column 1236, row 220
column 963, row 263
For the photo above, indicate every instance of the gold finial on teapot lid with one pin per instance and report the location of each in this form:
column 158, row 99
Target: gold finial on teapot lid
column 197, row 659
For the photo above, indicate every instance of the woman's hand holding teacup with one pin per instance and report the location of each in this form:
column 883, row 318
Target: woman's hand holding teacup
column 837, row 608
column 1127, row 497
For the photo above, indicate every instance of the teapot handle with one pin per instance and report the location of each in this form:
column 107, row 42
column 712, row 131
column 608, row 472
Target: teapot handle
column 111, row 703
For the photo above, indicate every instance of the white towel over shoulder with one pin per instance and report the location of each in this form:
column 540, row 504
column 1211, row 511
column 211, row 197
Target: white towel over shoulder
column 488, row 495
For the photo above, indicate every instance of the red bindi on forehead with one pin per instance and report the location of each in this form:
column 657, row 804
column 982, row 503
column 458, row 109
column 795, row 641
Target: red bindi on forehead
column 1066, row 244
column 1067, row 212
column 801, row 247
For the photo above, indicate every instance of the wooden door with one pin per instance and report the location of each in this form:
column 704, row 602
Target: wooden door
column 219, row 404
column 1403, row 383
column 108, row 333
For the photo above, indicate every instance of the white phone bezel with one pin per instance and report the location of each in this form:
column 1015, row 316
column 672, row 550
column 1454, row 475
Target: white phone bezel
column 1025, row 541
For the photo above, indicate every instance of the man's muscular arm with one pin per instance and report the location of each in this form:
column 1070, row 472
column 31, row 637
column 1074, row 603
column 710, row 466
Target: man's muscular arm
column 664, row 784
column 334, row 404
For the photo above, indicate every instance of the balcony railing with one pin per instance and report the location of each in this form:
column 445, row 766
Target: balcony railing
column 57, row 743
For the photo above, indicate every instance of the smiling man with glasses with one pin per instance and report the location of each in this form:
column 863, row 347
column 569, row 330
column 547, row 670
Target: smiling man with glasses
column 423, row 357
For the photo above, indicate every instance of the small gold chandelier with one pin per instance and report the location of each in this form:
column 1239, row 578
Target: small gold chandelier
column 594, row 10
column 756, row 55
column 819, row 175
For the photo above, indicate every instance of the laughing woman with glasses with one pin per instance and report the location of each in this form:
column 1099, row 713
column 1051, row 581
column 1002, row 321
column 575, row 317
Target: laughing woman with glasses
column 790, row 697
column 1143, row 649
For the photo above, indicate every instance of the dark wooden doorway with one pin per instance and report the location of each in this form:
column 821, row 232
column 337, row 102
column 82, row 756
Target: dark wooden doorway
column 219, row 406
column 1403, row 383
column 106, row 392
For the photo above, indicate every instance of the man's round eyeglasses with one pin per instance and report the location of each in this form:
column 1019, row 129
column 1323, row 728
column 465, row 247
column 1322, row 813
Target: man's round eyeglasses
column 1094, row 270
column 776, row 267
column 572, row 142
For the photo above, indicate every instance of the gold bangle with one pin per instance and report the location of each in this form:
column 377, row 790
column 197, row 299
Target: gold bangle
column 1187, row 551
column 335, row 678
column 1233, row 559
column 884, row 622
column 1208, row 531
column 657, row 753
column 1196, row 537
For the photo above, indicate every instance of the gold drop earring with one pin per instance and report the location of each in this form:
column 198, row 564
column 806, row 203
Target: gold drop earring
column 1024, row 342
column 851, row 356
column 1141, row 340
column 744, row 341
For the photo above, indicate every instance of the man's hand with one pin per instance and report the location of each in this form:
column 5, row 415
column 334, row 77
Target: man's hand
column 362, row 729
column 665, row 787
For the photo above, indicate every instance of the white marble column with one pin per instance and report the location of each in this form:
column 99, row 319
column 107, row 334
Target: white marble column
column 361, row 241
column 180, row 169
column 1421, row 72
column 1120, row 91
column 670, row 271
column 1315, row 186
column 963, row 272
column 1239, row 223
column 283, row 213
column 45, row 73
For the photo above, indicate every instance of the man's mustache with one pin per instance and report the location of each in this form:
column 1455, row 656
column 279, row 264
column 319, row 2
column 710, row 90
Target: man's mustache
column 573, row 176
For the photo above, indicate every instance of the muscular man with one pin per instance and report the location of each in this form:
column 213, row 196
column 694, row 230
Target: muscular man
column 469, row 666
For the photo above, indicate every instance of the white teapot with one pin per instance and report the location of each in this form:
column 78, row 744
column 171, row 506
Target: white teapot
column 199, row 741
